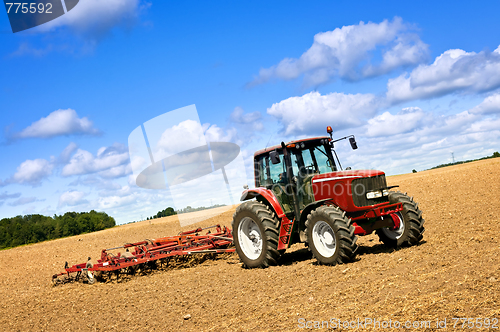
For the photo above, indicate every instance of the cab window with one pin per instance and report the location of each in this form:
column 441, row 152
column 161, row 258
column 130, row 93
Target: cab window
column 277, row 171
column 324, row 163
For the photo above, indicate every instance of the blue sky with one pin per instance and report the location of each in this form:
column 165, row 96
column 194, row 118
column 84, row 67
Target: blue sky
column 413, row 81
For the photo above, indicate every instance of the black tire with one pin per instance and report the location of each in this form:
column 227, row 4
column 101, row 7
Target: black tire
column 410, row 219
column 255, row 219
column 330, row 236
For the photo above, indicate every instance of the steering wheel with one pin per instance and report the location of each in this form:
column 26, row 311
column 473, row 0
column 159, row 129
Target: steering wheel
column 310, row 167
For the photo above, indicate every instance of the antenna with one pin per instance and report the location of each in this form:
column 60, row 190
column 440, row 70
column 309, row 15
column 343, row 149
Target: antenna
column 269, row 140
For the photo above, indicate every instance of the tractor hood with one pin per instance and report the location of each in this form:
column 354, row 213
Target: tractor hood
column 348, row 188
column 344, row 175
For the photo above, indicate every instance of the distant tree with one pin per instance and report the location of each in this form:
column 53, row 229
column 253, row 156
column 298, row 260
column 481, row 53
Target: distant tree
column 496, row 154
column 35, row 228
column 414, row 171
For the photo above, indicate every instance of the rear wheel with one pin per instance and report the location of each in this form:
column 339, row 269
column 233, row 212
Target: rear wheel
column 411, row 223
column 330, row 236
column 255, row 234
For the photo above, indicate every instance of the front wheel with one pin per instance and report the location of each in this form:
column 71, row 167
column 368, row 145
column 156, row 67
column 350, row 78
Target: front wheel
column 255, row 235
column 411, row 224
column 330, row 236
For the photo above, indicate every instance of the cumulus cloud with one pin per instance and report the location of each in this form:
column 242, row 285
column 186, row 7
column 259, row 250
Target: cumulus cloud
column 59, row 123
column 72, row 198
column 83, row 162
column 97, row 17
column 391, row 143
column 214, row 133
column 31, row 172
column 489, row 105
column 387, row 124
column 186, row 135
column 116, row 172
column 251, row 120
column 65, row 155
column 453, row 71
column 312, row 112
column 115, row 201
column 349, row 53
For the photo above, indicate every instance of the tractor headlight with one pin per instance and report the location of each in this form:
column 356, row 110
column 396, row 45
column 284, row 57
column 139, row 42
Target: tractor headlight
column 374, row 194
column 385, row 192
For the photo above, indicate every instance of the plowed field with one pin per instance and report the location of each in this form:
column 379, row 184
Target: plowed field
column 453, row 272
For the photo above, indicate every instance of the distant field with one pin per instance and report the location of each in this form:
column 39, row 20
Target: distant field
column 454, row 272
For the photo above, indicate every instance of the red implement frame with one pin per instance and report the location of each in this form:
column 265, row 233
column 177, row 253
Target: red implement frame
column 186, row 243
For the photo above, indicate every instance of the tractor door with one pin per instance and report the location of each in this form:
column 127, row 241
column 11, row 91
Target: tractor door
column 274, row 177
column 311, row 160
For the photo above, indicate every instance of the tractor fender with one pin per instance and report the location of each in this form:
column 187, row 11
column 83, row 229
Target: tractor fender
column 266, row 194
column 309, row 208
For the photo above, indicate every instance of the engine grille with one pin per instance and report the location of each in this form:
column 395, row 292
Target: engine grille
column 361, row 186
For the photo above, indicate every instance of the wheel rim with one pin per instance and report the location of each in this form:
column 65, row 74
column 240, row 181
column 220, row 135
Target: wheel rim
column 323, row 238
column 250, row 238
column 395, row 234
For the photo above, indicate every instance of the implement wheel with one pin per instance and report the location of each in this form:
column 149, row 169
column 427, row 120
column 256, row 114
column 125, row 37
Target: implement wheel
column 89, row 275
column 330, row 236
column 255, row 234
column 411, row 223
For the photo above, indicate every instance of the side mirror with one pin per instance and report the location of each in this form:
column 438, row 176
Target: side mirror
column 275, row 157
column 352, row 140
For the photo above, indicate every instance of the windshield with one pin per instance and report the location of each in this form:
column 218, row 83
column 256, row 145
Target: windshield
column 314, row 160
column 324, row 162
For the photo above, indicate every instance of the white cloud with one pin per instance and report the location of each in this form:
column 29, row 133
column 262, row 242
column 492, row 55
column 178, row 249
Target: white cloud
column 347, row 53
column 97, row 17
column 214, row 133
column 65, row 156
column 453, row 71
column 116, row 172
column 249, row 120
column 395, row 145
column 32, row 172
column 312, row 112
column 387, row 124
column 116, row 201
column 72, row 198
column 186, row 135
column 84, row 162
column 58, row 123
column 489, row 105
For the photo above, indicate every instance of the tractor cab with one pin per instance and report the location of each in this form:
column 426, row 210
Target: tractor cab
column 308, row 157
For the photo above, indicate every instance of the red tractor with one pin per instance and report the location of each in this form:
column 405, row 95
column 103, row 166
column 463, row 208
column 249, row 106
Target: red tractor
column 303, row 195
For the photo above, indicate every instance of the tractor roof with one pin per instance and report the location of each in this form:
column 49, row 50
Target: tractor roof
column 274, row 147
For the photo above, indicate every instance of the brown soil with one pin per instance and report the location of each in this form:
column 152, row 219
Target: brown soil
column 453, row 272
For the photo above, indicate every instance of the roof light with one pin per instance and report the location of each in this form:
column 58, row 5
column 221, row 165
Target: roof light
column 329, row 130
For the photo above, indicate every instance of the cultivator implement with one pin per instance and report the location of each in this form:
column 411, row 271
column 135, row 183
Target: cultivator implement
column 149, row 254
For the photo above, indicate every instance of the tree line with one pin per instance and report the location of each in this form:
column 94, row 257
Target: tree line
column 164, row 213
column 170, row 211
column 35, row 228
column 494, row 155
